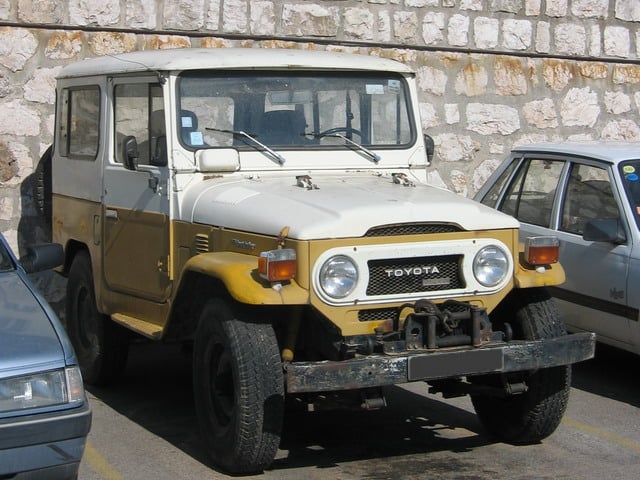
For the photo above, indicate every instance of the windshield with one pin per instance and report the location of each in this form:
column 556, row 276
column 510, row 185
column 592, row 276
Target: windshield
column 630, row 174
column 293, row 109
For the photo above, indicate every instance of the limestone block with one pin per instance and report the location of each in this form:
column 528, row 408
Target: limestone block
column 187, row 14
column 6, row 88
column 432, row 80
column 41, row 11
column 485, row 32
column 235, row 16
column 383, row 31
column 617, row 102
column 590, row 8
column 141, row 14
column 94, row 12
column 41, row 88
column 595, row 41
column 358, row 23
column 557, row 74
column 616, row 41
column 263, row 18
column 458, row 30
column 507, row 6
column 532, row 8
column 541, row 113
column 405, row 26
column 64, row 45
column 472, row 80
column 15, row 164
column 509, row 76
column 580, row 108
column 5, row 9
column 459, row 182
column 213, row 15
column 625, row 130
column 455, row 148
column 17, row 46
column 556, row 8
column 492, row 119
column 452, row 113
column 596, row 71
column 310, row 20
column 428, row 115
column 543, row 37
column 570, row 38
column 19, row 119
column 432, row 28
column 628, row 10
column 159, row 42
column 517, row 34
column 110, row 43
column 626, row 74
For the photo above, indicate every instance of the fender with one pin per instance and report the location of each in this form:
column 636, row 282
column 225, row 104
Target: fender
column 527, row 277
column 238, row 272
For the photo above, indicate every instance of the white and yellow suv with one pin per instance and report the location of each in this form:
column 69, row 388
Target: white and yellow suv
column 270, row 207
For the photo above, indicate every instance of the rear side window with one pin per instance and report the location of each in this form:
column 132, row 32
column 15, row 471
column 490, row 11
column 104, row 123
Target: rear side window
column 80, row 122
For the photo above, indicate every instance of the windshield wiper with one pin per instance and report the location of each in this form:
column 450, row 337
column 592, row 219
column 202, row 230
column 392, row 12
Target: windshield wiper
column 374, row 156
column 279, row 158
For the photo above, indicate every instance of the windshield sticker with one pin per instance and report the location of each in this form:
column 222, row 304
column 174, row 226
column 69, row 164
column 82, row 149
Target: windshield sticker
column 394, row 86
column 187, row 122
column 632, row 177
column 196, row 138
column 375, row 89
column 628, row 169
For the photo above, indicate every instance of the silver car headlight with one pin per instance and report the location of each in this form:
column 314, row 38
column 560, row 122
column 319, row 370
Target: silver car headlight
column 491, row 265
column 56, row 387
column 338, row 276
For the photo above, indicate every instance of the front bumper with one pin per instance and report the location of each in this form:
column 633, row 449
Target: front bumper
column 44, row 444
column 381, row 370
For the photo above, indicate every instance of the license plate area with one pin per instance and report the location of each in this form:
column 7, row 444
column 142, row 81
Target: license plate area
column 454, row 364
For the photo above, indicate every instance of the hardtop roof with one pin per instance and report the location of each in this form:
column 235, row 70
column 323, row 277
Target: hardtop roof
column 228, row 58
column 609, row 151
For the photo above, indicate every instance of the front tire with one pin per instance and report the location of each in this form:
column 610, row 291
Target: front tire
column 534, row 415
column 101, row 345
column 238, row 389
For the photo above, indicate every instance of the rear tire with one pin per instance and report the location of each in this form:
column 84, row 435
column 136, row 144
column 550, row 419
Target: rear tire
column 534, row 415
column 238, row 389
column 101, row 345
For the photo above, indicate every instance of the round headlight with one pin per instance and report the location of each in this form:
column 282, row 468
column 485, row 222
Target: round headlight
column 490, row 265
column 338, row 276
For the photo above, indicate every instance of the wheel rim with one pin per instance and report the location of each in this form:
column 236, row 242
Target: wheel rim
column 221, row 386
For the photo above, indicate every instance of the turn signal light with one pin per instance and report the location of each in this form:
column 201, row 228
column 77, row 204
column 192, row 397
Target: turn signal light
column 277, row 265
column 541, row 250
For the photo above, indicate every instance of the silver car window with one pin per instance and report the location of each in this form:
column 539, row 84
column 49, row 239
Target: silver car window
column 588, row 196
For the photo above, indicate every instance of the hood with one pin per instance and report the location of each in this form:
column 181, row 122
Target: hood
column 28, row 340
column 333, row 207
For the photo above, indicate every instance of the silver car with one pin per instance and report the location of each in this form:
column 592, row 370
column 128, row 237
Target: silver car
column 588, row 195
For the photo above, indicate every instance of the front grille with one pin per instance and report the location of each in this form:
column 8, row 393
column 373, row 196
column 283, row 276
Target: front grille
column 414, row 275
column 377, row 314
column 411, row 229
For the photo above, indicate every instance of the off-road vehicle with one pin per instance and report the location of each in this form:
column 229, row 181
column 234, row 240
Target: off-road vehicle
column 270, row 208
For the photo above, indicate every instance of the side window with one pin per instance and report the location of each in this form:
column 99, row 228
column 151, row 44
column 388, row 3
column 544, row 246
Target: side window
column 588, row 196
column 80, row 122
column 531, row 194
column 139, row 112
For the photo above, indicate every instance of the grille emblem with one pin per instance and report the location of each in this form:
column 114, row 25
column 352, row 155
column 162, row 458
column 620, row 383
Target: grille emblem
column 411, row 271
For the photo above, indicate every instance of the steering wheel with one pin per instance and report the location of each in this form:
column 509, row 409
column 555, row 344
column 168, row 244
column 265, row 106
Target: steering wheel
column 331, row 131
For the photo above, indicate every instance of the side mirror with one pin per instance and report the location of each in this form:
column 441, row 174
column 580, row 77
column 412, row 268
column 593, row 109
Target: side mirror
column 604, row 230
column 42, row 257
column 430, row 146
column 130, row 152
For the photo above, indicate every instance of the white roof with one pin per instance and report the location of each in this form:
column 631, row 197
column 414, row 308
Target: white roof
column 228, row 58
column 609, row 151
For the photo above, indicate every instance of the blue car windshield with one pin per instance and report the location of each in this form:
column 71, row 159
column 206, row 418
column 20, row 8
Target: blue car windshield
column 294, row 109
column 5, row 260
column 630, row 174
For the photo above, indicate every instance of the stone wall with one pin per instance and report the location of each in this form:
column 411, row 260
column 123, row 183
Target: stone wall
column 492, row 73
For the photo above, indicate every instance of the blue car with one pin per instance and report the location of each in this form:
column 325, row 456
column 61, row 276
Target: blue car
column 44, row 413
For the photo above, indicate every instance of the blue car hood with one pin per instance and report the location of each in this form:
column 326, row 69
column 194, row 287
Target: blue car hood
column 28, row 340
